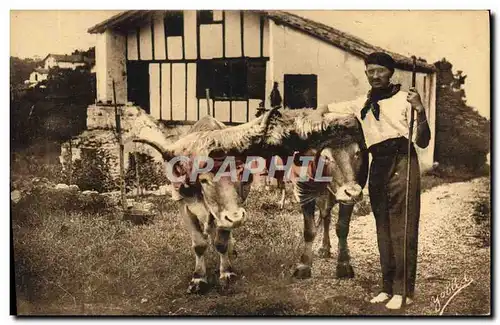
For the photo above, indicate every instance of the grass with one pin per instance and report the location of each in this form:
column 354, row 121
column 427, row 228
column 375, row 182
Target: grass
column 65, row 257
column 78, row 257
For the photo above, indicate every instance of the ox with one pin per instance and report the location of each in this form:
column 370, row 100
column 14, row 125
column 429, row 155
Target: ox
column 337, row 140
column 210, row 208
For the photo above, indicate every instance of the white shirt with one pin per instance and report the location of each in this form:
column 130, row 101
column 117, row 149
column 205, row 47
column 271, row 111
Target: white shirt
column 393, row 119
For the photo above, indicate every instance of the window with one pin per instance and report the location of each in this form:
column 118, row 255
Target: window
column 174, row 24
column 256, row 79
column 231, row 79
column 209, row 16
column 301, row 91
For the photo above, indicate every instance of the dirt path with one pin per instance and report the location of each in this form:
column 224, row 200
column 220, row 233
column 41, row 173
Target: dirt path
column 448, row 250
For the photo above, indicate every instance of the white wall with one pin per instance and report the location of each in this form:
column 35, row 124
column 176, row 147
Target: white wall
column 36, row 77
column 340, row 75
column 110, row 65
column 50, row 62
column 69, row 65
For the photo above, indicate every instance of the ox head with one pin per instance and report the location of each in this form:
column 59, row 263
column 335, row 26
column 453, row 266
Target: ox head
column 346, row 162
column 334, row 139
column 208, row 164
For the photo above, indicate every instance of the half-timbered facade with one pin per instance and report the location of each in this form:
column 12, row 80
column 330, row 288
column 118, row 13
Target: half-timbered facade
column 164, row 61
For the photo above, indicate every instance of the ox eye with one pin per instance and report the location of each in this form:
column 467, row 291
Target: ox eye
column 204, row 181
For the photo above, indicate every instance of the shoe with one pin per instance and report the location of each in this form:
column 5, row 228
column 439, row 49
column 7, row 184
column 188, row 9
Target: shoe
column 381, row 297
column 397, row 301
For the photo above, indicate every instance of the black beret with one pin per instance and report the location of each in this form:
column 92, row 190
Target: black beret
column 381, row 58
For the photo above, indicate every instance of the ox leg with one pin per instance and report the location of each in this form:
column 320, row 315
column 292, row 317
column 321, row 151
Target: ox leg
column 224, row 245
column 344, row 268
column 303, row 270
column 281, row 186
column 326, row 216
column 199, row 283
column 282, row 201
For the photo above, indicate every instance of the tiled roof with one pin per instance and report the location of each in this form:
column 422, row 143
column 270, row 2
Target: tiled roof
column 66, row 58
column 343, row 40
column 118, row 19
column 42, row 70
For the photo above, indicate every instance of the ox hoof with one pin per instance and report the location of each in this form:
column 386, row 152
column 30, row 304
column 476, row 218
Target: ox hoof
column 199, row 286
column 226, row 278
column 345, row 271
column 302, row 272
column 324, row 253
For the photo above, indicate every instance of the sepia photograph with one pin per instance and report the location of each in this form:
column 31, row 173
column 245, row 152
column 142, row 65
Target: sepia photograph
column 250, row 162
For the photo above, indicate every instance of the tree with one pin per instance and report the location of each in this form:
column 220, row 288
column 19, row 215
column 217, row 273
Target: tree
column 462, row 135
column 20, row 70
column 54, row 113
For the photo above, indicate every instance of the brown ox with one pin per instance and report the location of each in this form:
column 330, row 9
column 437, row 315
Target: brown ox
column 337, row 140
column 212, row 208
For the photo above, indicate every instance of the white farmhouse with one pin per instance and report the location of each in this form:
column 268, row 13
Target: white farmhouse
column 63, row 61
column 163, row 61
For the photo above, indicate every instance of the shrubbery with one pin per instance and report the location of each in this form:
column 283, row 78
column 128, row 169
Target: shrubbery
column 92, row 171
column 151, row 172
column 462, row 135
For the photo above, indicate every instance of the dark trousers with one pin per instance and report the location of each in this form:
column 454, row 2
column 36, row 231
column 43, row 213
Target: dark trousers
column 387, row 188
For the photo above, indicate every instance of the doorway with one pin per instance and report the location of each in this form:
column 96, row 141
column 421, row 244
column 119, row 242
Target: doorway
column 138, row 84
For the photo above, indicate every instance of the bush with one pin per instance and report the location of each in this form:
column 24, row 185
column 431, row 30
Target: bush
column 92, row 171
column 151, row 172
column 462, row 135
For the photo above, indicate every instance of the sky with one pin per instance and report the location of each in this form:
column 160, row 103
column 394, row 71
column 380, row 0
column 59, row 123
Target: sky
column 462, row 37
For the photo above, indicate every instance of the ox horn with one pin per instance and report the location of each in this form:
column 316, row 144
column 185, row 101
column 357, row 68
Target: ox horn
column 235, row 138
column 156, row 145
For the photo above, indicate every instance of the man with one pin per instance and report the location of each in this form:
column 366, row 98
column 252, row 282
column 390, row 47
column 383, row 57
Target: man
column 385, row 118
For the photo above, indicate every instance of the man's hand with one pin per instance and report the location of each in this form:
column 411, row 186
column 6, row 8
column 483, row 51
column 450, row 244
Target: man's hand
column 414, row 99
column 423, row 132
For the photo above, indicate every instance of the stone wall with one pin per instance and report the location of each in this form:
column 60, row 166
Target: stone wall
column 101, row 133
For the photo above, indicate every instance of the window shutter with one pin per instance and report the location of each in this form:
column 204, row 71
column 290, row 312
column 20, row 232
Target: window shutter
column 204, row 78
column 205, row 16
column 238, row 79
column 174, row 24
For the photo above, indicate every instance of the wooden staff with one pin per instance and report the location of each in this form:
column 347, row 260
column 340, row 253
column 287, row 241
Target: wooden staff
column 408, row 180
column 207, row 95
column 120, row 147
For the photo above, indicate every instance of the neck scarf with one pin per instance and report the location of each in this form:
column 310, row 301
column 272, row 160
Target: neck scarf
column 374, row 95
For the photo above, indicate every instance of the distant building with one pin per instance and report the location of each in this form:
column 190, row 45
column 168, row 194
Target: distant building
column 39, row 74
column 60, row 61
column 63, row 61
